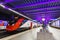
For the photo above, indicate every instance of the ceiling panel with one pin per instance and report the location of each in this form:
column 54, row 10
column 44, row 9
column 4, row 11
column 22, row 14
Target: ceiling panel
column 36, row 9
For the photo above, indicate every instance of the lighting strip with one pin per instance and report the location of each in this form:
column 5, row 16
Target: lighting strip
column 16, row 12
column 19, row 13
column 42, row 9
column 36, row 4
column 2, row 5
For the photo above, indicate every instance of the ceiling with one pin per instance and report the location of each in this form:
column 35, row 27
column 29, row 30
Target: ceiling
column 35, row 9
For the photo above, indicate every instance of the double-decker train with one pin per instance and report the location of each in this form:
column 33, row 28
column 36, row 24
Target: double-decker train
column 15, row 20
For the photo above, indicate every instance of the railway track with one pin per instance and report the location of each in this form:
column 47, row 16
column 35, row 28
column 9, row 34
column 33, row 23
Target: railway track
column 6, row 34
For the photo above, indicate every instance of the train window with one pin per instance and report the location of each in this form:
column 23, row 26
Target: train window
column 0, row 21
column 5, row 23
column 24, row 21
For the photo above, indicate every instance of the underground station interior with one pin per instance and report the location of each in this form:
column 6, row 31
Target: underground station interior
column 29, row 19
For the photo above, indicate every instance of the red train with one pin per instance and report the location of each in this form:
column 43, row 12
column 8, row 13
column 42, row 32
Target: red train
column 15, row 26
column 19, row 22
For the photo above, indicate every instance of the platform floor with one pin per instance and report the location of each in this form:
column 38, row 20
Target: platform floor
column 30, row 35
column 36, row 34
column 55, row 32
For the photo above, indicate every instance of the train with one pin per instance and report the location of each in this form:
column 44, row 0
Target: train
column 28, row 24
column 13, row 24
column 56, row 23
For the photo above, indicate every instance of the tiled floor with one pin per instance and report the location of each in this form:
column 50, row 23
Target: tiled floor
column 33, row 34
column 45, row 36
column 55, row 32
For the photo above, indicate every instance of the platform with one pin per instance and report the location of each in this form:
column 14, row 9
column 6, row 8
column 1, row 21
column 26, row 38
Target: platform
column 35, row 34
